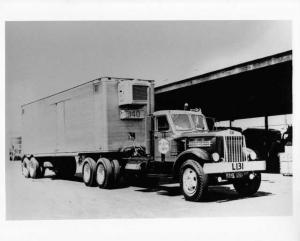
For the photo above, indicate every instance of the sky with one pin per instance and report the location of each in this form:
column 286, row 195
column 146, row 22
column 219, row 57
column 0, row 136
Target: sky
column 42, row 58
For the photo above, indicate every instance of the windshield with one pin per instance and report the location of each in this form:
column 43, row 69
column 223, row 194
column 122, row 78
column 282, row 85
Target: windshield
column 198, row 122
column 181, row 122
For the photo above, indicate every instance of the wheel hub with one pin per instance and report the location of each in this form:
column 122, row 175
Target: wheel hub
column 189, row 180
column 86, row 172
column 100, row 174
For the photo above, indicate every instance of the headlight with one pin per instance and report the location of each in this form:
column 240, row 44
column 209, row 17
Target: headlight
column 252, row 155
column 215, row 156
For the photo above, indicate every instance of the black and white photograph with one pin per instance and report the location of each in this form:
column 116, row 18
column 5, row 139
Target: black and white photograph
column 149, row 119
column 143, row 119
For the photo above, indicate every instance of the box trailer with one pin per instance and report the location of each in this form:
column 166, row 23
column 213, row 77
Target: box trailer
column 87, row 119
column 107, row 128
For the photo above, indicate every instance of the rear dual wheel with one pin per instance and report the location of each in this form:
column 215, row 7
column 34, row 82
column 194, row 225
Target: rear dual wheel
column 107, row 173
column 89, row 171
column 32, row 168
column 25, row 167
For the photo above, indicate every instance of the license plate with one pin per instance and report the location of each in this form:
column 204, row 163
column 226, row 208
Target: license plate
column 237, row 166
column 232, row 175
column 132, row 114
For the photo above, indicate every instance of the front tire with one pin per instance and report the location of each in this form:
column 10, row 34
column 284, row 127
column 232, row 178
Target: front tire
column 246, row 186
column 193, row 180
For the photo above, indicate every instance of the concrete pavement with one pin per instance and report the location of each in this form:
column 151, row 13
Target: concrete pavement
column 52, row 198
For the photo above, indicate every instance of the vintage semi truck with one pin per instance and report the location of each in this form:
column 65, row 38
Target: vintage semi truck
column 107, row 128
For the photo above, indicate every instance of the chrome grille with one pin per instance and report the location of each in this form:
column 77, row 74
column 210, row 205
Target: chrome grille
column 234, row 149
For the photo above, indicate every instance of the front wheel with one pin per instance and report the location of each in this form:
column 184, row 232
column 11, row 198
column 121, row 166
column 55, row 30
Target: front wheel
column 193, row 180
column 248, row 185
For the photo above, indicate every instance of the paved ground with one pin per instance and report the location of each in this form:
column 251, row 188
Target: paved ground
column 51, row 198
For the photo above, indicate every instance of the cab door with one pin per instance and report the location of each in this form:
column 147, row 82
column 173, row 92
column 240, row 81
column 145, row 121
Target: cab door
column 162, row 142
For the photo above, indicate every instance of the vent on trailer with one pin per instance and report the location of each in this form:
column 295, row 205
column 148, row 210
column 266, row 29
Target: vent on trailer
column 133, row 92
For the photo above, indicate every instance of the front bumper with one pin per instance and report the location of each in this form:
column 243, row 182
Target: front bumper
column 224, row 167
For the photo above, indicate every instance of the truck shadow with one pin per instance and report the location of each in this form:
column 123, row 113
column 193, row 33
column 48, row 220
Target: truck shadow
column 76, row 178
column 222, row 194
column 218, row 194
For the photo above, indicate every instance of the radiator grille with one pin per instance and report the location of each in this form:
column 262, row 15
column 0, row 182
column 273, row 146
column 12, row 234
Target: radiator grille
column 139, row 92
column 234, row 149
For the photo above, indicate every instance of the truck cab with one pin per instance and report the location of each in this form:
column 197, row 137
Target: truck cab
column 198, row 157
column 171, row 128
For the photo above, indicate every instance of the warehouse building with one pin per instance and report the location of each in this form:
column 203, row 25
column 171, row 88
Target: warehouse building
column 261, row 89
column 255, row 94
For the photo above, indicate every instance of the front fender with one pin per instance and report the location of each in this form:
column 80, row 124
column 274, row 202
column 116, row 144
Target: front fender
column 200, row 153
column 192, row 153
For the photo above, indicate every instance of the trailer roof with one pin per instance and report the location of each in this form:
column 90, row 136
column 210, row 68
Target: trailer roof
column 108, row 77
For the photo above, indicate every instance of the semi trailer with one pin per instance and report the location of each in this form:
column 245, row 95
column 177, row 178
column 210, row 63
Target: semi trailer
column 107, row 128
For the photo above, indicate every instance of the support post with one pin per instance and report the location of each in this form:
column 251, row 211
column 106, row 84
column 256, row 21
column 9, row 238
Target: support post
column 266, row 123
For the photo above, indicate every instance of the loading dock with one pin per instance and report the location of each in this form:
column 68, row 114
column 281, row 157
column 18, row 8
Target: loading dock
column 258, row 88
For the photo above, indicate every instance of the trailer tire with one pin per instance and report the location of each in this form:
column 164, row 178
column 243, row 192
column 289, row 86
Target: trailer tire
column 25, row 167
column 104, row 173
column 117, row 172
column 193, row 180
column 34, row 168
column 247, row 187
column 89, row 171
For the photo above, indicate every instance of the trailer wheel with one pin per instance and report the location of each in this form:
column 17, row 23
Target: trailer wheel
column 193, row 180
column 117, row 172
column 248, row 185
column 104, row 173
column 25, row 167
column 34, row 168
column 88, row 171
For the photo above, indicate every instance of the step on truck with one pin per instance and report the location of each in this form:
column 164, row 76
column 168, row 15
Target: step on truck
column 107, row 129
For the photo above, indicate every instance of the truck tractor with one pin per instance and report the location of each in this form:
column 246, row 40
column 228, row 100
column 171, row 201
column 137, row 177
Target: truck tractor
column 107, row 128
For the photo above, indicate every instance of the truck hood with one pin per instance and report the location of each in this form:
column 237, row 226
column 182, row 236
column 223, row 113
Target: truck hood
column 189, row 134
